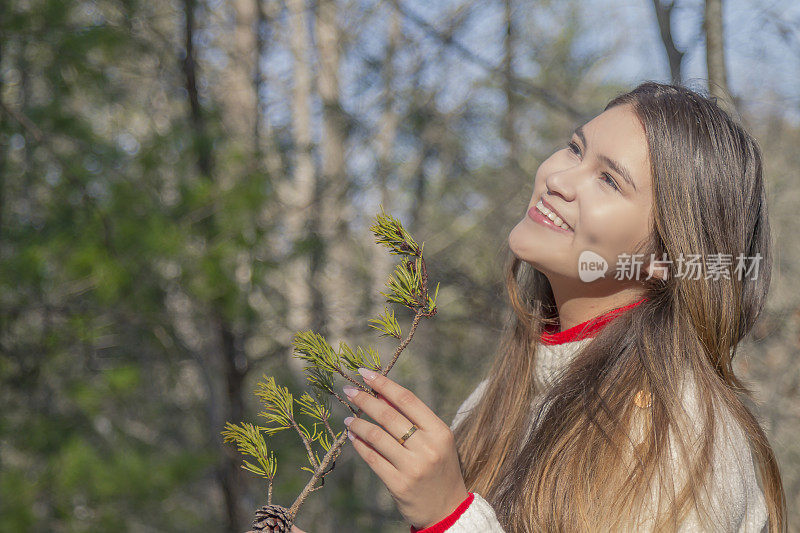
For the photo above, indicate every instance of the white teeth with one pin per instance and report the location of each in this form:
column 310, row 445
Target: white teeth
column 552, row 216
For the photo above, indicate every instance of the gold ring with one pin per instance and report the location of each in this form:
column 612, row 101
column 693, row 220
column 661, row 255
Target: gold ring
column 410, row 432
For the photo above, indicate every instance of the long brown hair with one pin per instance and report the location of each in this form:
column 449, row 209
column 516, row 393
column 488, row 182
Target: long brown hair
column 579, row 468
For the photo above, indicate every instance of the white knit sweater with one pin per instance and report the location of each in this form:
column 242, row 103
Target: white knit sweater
column 735, row 496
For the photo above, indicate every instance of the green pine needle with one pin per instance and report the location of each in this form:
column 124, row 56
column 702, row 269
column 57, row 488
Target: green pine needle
column 313, row 408
column 370, row 358
column 313, row 348
column 325, row 442
column 250, row 441
column 387, row 323
column 357, row 359
column 321, row 380
column 390, row 233
column 432, row 301
column 278, row 403
column 313, row 466
column 405, row 284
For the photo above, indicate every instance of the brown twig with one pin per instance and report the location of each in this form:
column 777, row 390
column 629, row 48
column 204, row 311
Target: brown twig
column 402, row 346
column 317, row 473
column 351, row 380
column 328, row 427
column 307, row 444
column 346, row 404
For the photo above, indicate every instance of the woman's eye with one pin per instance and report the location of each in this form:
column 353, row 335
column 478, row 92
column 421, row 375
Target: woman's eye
column 610, row 180
column 573, row 148
column 607, row 178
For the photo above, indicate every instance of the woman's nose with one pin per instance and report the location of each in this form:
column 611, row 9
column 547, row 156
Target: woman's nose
column 563, row 182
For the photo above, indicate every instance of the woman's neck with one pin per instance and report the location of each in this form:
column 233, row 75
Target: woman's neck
column 577, row 307
column 551, row 335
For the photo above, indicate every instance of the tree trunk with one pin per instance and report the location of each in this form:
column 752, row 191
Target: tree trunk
column 509, row 130
column 382, row 261
column 260, row 30
column 335, row 211
column 2, row 160
column 234, row 362
column 715, row 55
column 267, row 149
column 237, row 90
column 3, row 313
column 674, row 56
column 298, row 195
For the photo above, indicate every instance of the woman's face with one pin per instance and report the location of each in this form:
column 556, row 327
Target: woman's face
column 585, row 184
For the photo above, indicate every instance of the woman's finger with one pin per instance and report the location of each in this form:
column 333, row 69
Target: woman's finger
column 403, row 399
column 296, row 529
column 379, row 464
column 382, row 412
column 379, row 440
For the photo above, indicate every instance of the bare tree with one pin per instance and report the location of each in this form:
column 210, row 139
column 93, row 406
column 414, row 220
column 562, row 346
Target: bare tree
column 390, row 119
column 2, row 164
column 512, row 98
column 237, row 90
column 297, row 196
column 524, row 86
column 233, row 360
column 335, row 210
column 263, row 137
column 674, row 56
column 715, row 54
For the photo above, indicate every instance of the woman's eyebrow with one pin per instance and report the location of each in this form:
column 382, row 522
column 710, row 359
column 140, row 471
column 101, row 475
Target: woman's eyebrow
column 615, row 166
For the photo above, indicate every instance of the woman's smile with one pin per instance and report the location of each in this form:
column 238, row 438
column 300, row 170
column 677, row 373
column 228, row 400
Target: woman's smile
column 544, row 215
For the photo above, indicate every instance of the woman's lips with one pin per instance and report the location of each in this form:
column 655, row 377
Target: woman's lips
column 538, row 216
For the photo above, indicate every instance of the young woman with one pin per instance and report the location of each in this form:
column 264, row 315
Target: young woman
column 612, row 404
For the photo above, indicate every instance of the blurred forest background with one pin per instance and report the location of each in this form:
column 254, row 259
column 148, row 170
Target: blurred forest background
column 184, row 184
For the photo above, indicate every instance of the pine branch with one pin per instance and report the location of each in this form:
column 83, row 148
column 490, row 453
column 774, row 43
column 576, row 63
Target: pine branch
column 391, row 233
column 387, row 323
column 330, row 431
column 314, row 349
column 403, row 344
column 319, row 409
column 278, row 405
column 306, row 442
column 408, row 286
column 344, row 402
column 249, row 440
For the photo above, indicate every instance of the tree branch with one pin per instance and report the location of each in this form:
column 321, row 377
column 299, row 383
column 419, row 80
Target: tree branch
column 524, row 86
column 307, row 444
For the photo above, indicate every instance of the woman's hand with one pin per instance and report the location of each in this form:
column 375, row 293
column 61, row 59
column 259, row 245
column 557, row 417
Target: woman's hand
column 423, row 474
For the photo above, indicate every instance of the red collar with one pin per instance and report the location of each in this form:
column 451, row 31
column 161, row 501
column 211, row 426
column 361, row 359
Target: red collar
column 584, row 330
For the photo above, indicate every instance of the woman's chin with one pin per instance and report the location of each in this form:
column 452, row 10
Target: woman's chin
column 519, row 240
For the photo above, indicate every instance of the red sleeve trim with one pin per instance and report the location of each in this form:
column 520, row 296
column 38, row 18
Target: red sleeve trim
column 445, row 523
column 584, row 330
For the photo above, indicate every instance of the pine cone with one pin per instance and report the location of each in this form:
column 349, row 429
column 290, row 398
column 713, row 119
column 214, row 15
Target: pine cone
column 272, row 519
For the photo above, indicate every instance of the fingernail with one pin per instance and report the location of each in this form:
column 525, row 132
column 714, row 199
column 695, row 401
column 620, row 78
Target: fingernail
column 348, row 420
column 351, row 435
column 367, row 374
column 350, row 391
